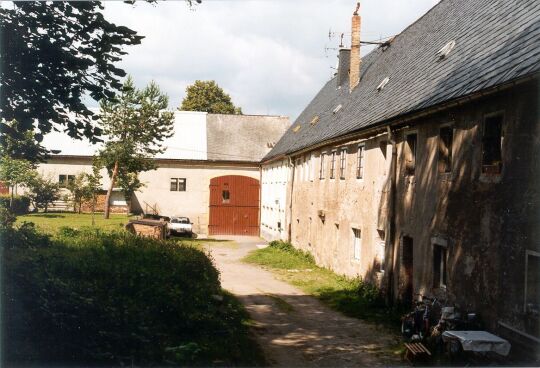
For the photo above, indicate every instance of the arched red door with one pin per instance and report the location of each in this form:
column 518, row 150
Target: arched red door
column 234, row 206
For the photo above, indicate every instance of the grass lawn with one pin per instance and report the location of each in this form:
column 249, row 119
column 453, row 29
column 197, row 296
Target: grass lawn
column 51, row 222
column 349, row 296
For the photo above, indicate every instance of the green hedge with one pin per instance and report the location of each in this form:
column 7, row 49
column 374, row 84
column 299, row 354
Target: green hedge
column 21, row 204
column 116, row 299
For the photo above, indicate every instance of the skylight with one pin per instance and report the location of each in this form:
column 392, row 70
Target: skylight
column 315, row 120
column 383, row 83
column 338, row 107
column 442, row 53
column 296, row 128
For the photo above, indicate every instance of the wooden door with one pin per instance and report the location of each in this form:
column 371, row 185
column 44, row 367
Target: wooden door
column 407, row 264
column 234, row 205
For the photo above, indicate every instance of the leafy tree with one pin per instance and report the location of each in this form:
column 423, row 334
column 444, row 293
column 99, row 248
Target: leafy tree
column 94, row 185
column 208, row 96
column 14, row 172
column 20, row 144
column 79, row 190
column 43, row 192
column 53, row 55
column 135, row 127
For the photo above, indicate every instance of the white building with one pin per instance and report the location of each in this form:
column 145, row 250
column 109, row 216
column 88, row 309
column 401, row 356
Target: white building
column 274, row 200
column 209, row 171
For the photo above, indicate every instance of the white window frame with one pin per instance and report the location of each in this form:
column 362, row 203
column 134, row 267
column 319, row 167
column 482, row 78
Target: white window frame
column 322, row 170
column 444, row 251
column 311, row 169
column 333, row 164
column 357, row 244
column 342, row 163
column 527, row 254
column 360, row 161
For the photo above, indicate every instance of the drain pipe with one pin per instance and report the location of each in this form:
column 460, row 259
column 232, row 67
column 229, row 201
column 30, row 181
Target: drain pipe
column 291, row 192
column 391, row 217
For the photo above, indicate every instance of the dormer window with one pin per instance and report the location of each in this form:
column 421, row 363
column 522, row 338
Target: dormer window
column 382, row 84
column 338, row 107
column 443, row 53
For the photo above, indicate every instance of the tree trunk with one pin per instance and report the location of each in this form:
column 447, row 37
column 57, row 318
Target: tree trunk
column 12, row 197
column 109, row 191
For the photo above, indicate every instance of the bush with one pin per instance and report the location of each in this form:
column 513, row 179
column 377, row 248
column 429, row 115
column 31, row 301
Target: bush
column 116, row 299
column 288, row 247
column 20, row 203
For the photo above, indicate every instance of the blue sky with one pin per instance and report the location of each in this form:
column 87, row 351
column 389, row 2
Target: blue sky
column 271, row 56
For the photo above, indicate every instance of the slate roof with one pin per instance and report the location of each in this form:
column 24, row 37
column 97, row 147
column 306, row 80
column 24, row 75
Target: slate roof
column 496, row 41
column 243, row 137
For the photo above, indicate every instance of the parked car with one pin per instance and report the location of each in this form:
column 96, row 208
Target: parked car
column 181, row 225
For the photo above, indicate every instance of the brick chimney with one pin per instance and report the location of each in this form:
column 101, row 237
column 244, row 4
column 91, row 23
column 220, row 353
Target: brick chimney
column 354, row 77
column 344, row 64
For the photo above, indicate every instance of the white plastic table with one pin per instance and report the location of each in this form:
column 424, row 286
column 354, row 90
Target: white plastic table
column 478, row 341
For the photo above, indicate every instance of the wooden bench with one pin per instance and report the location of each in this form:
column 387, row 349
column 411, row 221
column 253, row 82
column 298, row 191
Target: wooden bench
column 416, row 351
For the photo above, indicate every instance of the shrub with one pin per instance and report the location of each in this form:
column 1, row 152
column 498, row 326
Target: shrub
column 288, row 247
column 116, row 299
column 20, row 203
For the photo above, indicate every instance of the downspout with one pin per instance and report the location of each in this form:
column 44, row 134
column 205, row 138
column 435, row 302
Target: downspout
column 391, row 218
column 289, row 235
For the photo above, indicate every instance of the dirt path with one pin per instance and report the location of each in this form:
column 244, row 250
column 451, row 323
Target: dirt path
column 295, row 329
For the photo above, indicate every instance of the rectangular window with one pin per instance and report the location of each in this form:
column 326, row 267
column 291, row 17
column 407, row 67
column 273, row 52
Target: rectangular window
column 311, row 167
column 439, row 266
column 446, row 138
column 492, row 140
column 178, row 184
column 174, row 184
column 342, row 163
column 225, row 196
column 532, row 282
column 410, row 154
column 333, row 165
column 360, row 162
column 382, row 249
column 321, row 170
column 357, row 243
column 64, row 180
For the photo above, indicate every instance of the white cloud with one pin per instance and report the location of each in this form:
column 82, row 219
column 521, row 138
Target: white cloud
column 268, row 55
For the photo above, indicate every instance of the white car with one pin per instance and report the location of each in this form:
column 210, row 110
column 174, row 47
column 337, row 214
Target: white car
column 180, row 225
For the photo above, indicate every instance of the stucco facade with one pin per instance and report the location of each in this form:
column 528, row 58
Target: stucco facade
column 194, row 201
column 454, row 226
column 274, row 200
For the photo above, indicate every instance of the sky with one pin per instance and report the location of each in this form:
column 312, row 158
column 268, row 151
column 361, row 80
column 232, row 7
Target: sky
column 271, row 56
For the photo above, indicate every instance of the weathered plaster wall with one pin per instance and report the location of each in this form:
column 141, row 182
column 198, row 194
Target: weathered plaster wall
column 487, row 223
column 345, row 203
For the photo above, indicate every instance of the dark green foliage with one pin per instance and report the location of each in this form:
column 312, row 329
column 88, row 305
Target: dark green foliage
column 209, row 97
column 43, row 192
column 115, row 299
column 20, row 204
column 53, row 55
column 18, row 143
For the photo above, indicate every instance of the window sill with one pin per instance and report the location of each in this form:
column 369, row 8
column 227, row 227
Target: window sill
column 490, row 178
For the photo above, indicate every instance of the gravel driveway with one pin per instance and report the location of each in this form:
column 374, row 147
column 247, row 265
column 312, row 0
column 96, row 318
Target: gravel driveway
column 295, row 329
